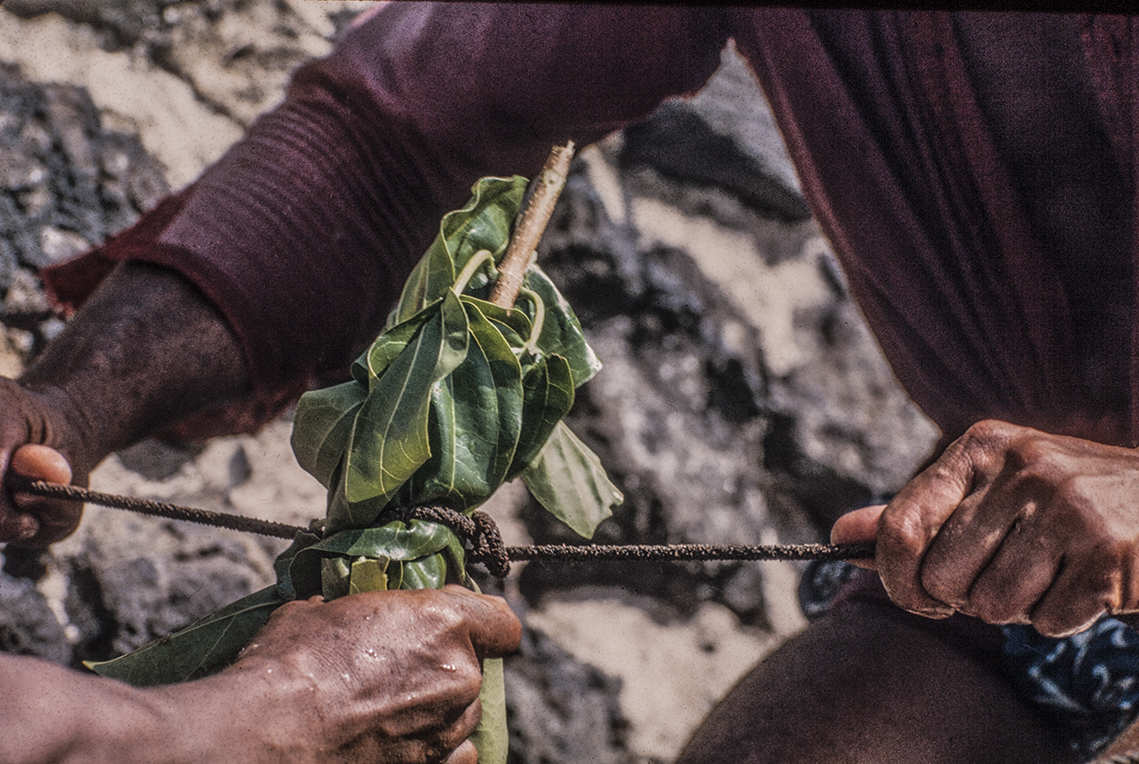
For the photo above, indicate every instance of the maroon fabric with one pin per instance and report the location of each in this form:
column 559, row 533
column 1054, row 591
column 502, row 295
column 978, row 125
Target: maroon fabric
column 938, row 223
column 996, row 290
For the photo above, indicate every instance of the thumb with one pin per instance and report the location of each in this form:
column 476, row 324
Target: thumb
column 860, row 525
column 41, row 463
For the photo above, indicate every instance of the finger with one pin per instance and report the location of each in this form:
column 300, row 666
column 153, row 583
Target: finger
column 456, row 735
column 859, row 525
column 40, row 521
column 971, row 536
column 494, row 629
column 1017, row 577
column 909, row 523
column 464, row 754
column 16, row 526
column 1073, row 603
column 958, row 552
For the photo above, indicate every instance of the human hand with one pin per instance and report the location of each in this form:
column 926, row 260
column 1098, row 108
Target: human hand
column 1011, row 525
column 385, row 676
column 37, row 443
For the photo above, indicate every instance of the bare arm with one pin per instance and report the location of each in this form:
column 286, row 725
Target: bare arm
column 385, row 677
column 146, row 350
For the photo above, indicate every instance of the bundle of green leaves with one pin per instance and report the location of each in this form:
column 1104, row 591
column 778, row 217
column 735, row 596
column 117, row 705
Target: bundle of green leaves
column 456, row 396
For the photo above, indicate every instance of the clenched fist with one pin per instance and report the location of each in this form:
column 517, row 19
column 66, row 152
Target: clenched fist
column 1012, row 525
column 383, row 676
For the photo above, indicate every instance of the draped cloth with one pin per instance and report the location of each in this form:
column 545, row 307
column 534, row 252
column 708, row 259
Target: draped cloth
column 995, row 288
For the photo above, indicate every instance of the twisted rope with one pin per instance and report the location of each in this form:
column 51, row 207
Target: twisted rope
column 478, row 529
column 241, row 523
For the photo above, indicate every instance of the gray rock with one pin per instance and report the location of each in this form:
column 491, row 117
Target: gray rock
column 561, row 710
column 724, row 137
column 27, row 624
column 66, row 184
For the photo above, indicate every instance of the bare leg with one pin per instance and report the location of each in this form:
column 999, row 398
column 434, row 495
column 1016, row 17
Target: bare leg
column 867, row 683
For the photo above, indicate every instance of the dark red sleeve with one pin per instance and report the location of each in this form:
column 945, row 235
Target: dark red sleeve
column 303, row 233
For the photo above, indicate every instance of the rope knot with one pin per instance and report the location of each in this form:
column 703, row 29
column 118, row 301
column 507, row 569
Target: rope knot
column 479, row 531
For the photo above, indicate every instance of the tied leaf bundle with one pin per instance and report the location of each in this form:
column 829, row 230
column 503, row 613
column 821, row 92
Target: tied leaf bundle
column 456, row 396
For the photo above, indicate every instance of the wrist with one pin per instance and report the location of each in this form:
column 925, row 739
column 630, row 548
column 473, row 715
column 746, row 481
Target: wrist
column 255, row 711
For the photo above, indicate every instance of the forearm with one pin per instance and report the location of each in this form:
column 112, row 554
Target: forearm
column 146, row 350
column 56, row 714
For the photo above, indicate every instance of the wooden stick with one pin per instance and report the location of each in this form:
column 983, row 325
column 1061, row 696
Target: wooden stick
column 547, row 187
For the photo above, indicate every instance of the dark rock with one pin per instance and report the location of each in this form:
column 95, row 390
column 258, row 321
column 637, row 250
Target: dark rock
column 680, row 143
column 172, row 576
column 561, row 710
column 724, row 137
column 27, row 624
column 66, row 184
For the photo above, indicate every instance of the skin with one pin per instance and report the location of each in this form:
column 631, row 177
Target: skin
column 401, row 684
column 866, row 684
column 1008, row 525
column 1011, row 525
column 397, row 682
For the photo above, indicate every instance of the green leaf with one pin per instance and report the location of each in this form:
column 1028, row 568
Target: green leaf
column 561, row 331
column 425, row 573
column 568, row 480
column 322, row 426
column 372, row 363
column 334, row 575
column 483, row 223
column 548, row 393
column 474, row 423
column 513, row 323
column 368, row 575
column 281, row 565
column 492, row 737
column 486, row 221
column 205, row 646
column 389, row 440
column 396, row 541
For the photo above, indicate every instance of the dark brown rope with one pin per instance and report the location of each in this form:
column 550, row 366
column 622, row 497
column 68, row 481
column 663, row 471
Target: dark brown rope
column 478, row 529
column 155, row 508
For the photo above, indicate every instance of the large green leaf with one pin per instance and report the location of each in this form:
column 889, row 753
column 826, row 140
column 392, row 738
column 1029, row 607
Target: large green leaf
column 389, row 441
column 205, row 646
column 548, row 393
column 375, row 360
column 322, row 426
column 561, row 330
column 483, row 223
column 568, row 480
column 474, row 423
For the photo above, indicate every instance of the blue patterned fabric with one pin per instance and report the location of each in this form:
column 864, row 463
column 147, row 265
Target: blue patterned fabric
column 1086, row 684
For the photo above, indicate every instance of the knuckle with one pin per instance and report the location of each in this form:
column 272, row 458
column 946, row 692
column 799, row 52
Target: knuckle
column 985, row 432
column 1033, row 452
column 901, row 535
column 468, row 683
